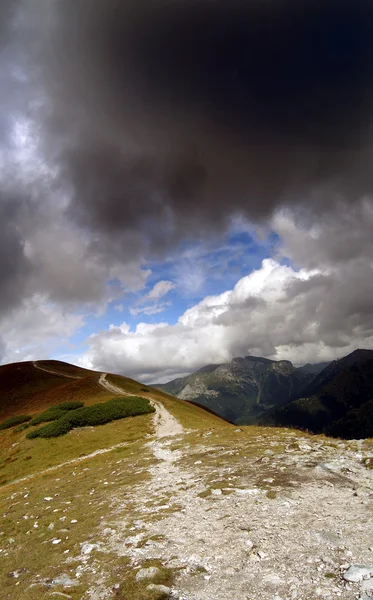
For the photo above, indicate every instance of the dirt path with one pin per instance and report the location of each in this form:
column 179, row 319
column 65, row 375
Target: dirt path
column 53, row 372
column 110, row 387
column 165, row 424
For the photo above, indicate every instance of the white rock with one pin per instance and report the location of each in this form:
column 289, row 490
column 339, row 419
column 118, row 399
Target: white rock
column 148, row 573
column 357, row 573
column 48, row 498
column 304, row 447
column 73, row 521
column 87, row 548
column 55, row 542
column 367, row 585
column 216, row 492
column 65, row 581
column 162, row 589
column 273, row 579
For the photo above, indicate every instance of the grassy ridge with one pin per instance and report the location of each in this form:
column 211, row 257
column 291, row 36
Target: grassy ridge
column 40, row 391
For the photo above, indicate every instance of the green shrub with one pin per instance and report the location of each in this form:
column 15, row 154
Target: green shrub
column 33, row 434
column 70, row 405
column 98, row 414
column 54, row 429
column 52, row 414
column 12, row 421
column 56, row 412
column 21, row 427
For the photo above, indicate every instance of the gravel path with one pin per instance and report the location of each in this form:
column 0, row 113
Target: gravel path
column 54, row 372
column 234, row 542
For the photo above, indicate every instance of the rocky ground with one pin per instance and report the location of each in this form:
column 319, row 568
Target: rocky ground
column 240, row 514
column 287, row 525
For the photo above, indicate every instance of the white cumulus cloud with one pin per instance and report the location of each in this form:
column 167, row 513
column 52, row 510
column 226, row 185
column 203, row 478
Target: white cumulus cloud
column 276, row 311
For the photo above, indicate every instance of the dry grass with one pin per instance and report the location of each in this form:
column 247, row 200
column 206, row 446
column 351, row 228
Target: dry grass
column 84, row 494
column 32, row 456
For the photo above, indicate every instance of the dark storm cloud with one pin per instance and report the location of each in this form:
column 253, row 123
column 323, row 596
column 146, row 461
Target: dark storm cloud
column 182, row 110
column 159, row 119
column 14, row 264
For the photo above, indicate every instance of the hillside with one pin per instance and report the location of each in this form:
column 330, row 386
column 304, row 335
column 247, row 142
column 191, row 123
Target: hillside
column 242, row 390
column 338, row 401
column 30, row 388
column 176, row 505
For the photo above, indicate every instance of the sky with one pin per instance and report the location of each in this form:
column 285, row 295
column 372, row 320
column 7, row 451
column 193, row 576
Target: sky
column 186, row 182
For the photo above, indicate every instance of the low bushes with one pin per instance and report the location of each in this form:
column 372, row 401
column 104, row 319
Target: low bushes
column 12, row 421
column 98, row 414
column 21, row 427
column 55, row 412
column 70, row 405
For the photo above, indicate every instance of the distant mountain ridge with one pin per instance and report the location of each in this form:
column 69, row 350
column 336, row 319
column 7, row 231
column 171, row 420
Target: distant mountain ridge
column 335, row 398
column 337, row 402
column 243, row 389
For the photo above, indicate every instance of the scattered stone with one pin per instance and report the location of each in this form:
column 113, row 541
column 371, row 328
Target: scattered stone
column 357, row 573
column 250, row 544
column 17, row 574
column 273, row 579
column 55, row 542
column 60, row 595
column 87, row 548
column 51, row 526
column 216, row 492
column 304, row 447
column 73, row 521
column 48, row 498
column 162, row 589
column 148, row 573
column 367, row 585
column 64, row 580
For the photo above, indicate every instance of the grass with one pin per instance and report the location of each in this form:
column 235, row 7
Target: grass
column 21, row 457
column 78, row 501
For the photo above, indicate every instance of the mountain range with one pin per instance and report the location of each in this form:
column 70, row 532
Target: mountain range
column 335, row 398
